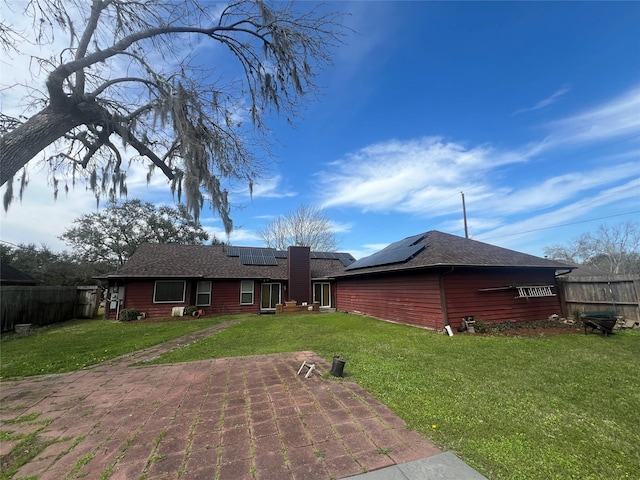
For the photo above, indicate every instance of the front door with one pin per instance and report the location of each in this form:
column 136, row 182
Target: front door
column 270, row 296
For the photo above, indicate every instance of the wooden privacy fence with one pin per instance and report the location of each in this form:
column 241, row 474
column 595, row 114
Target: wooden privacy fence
column 46, row 305
column 617, row 293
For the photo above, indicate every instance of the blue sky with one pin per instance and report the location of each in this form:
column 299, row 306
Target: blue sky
column 531, row 109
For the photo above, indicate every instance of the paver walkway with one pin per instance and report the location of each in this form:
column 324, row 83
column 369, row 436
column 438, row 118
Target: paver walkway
column 231, row 418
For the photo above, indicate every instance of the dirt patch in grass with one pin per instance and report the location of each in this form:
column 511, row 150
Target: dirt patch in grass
column 543, row 328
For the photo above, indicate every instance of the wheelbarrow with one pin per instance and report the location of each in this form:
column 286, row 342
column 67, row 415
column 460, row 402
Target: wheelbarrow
column 601, row 321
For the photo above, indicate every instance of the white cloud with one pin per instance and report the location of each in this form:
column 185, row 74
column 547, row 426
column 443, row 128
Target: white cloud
column 508, row 191
column 625, row 196
column 424, row 176
column 555, row 190
column 617, row 118
column 238, row 236
column 553, row 98
column 409, row 176
column 341, row 227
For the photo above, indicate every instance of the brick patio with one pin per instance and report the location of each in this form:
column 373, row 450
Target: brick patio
column 231, row 418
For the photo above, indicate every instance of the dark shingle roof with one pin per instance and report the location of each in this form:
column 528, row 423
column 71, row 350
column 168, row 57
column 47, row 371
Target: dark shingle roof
column 12, row 276
column 156, row 260
column 442, row 249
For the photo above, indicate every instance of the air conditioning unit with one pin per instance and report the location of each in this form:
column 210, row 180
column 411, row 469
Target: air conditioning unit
column 177, row 312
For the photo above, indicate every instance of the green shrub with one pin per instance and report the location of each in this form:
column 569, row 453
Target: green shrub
column 481, row 327
column 577, row 314
column 128, row 314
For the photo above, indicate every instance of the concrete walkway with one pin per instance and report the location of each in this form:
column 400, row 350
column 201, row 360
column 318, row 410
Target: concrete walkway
column 231, row 418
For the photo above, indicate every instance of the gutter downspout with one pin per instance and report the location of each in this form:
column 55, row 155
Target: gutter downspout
column 443, row 299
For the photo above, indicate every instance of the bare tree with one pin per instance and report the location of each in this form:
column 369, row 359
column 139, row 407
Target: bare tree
column 307, row 226
column 134, row 73
column 612, row 248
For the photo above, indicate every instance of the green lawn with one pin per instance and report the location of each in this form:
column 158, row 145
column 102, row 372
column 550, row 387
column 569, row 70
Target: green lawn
column 563, row 407
column 77, row 344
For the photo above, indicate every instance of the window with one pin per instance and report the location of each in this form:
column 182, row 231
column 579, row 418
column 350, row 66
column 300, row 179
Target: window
column 169, row 291
column 246, row 292
column 203, row 294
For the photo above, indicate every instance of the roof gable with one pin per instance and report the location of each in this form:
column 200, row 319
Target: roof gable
column 434, row 248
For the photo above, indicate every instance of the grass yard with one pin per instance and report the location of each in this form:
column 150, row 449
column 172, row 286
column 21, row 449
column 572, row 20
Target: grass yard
column 561, row 407
column 77, row 344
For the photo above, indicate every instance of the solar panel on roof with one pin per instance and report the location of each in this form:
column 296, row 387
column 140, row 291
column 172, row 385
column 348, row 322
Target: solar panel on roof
column 407, row 242
column 262, row 256
column 397, row 252
column 246, row 258
column 268, row 256
column 345, row 258
column 253, row 256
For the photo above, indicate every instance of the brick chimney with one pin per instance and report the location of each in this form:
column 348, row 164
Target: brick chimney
column 299, row 272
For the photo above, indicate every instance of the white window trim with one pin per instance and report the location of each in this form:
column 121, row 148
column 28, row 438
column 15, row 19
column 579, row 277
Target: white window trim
column 252, row 291
column 205, row 292
column 184, row 287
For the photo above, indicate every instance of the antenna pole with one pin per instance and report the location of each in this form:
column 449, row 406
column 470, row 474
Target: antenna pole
column 464, row 214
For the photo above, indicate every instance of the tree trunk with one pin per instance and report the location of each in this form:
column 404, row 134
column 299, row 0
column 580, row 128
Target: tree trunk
column 22, row 144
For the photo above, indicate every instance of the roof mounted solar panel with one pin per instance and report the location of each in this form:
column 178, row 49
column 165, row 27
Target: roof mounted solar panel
column 407, row 242
column 397, row 252
column 259, row 256
column 253, row 256
column 269, row 256
column 344, row 258
column 246, row 258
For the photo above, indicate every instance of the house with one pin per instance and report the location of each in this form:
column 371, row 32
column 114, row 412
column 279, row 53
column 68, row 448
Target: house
column 223, row 279
column 435, row 279
column 12, row 276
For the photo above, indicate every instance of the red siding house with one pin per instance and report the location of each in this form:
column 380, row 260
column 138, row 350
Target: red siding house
column 222, row 279
column 435, row 279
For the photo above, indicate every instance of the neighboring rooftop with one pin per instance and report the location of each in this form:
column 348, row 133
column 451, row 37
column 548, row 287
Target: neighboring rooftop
column 12, row 276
